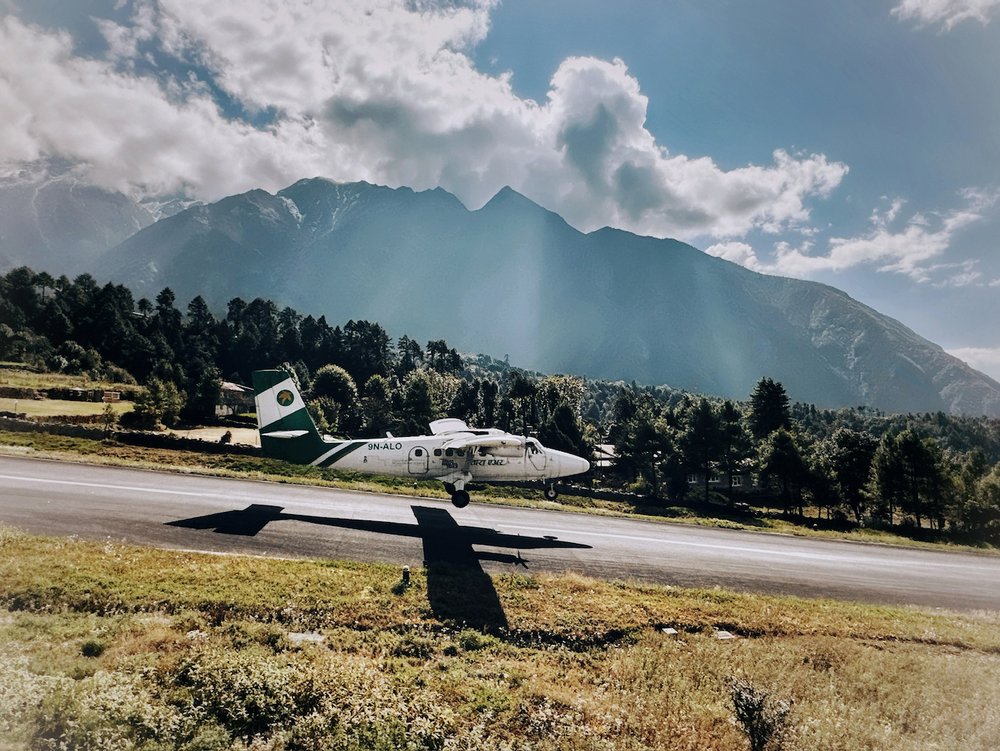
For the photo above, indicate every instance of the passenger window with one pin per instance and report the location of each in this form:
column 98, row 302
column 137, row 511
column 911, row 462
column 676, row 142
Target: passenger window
column 460, row 452
column 448, row 452
column 437, row 452
column 418, row 452
column 482, row 451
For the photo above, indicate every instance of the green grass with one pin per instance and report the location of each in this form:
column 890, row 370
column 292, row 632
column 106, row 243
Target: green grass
column 107, row 646
column 29, row 379
column 59, row 407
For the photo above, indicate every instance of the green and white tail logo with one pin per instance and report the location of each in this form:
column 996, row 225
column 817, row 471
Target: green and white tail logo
column 286, row 429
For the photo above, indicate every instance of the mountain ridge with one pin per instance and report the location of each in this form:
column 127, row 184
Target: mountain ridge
column 55, row 221
column 513, row 278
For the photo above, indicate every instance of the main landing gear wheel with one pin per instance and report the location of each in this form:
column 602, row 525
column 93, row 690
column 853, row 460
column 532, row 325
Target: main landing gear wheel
column 460, row 498
column 551, row 493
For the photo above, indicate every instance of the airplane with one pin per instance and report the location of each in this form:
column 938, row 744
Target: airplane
column 453, row 453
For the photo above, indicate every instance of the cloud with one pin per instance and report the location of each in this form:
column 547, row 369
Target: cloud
column 737, row 252
column 612, row 171
column 912, row 250
column 216, row 98
column 985, row 359
column 946, row 13
column 130, row 130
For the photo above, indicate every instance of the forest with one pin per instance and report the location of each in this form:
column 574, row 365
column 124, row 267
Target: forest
column 856, row 466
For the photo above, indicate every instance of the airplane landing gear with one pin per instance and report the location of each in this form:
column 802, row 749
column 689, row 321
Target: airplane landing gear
column 459, row 495
column 551, row 493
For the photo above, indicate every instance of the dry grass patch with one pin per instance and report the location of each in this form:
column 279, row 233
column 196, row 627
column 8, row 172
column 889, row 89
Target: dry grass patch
column 192, row 651
column 28, row 379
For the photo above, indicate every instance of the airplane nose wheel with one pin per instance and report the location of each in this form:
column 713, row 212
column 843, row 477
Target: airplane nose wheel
column 460, row 498
column 551, row 493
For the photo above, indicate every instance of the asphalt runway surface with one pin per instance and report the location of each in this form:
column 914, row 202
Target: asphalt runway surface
column 239, row 516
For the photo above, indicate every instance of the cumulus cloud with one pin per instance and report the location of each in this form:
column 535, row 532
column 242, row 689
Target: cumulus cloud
column 913, row 249
column 945, row 13
column 128, row 130
column 985, row 359
column 737, row 252
column 216, row 98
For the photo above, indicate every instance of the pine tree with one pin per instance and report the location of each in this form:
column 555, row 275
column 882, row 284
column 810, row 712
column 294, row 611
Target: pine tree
column 769, row 409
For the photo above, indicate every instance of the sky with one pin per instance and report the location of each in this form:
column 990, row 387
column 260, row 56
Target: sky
column 854, row 143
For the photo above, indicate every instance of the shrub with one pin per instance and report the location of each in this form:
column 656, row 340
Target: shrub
column 472, row 641
column 92, row 648
column 761, row 717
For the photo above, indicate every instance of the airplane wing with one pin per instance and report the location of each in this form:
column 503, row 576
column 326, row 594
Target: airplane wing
column 448, row 425
column 485, row 441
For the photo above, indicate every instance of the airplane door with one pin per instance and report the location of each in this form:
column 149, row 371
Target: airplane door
column 417, row 462
column 537, row 457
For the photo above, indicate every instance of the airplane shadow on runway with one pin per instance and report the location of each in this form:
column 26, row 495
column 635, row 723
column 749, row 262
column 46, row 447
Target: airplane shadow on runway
column 459, row 591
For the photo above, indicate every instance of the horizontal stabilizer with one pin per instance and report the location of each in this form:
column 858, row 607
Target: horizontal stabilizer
column 285, row 433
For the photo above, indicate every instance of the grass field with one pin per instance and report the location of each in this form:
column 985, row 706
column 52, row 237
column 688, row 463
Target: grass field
column 59, row 407
column 104, row 646
column 11, row 375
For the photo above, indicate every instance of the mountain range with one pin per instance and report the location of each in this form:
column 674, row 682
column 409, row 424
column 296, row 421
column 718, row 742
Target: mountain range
column 514, row 279
column 52, row 220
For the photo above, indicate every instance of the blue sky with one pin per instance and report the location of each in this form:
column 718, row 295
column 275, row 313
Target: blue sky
column 853, row 143
column 909, row 103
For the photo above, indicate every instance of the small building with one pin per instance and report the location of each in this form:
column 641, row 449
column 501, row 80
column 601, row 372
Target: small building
column 604, row 456
column 742, row 481
column 234, row 399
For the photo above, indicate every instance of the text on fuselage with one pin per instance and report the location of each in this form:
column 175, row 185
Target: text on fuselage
column 387, row 446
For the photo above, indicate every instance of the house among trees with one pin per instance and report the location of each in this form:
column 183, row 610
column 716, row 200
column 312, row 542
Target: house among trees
column 234, row 399
column 604, row 456
column 742, row 481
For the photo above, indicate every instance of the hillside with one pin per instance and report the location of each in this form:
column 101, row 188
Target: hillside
column 514, row 279
column 52, row 221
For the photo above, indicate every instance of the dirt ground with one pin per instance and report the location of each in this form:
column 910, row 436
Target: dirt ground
column 248, row 436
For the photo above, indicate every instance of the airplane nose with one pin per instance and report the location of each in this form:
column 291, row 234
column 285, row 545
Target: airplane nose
column 570, row 464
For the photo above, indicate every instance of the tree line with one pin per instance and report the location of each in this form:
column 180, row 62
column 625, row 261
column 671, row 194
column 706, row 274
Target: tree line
column 859, row 465
column 357, row 380
column 866, row 468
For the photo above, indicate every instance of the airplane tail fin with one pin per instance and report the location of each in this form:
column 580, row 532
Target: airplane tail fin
column 287, row 431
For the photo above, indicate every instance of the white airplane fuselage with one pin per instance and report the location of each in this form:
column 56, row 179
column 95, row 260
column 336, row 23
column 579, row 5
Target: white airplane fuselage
column 453, row 453
column 429, row 457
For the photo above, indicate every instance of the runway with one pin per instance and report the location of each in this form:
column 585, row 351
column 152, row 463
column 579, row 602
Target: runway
column 239, row 516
